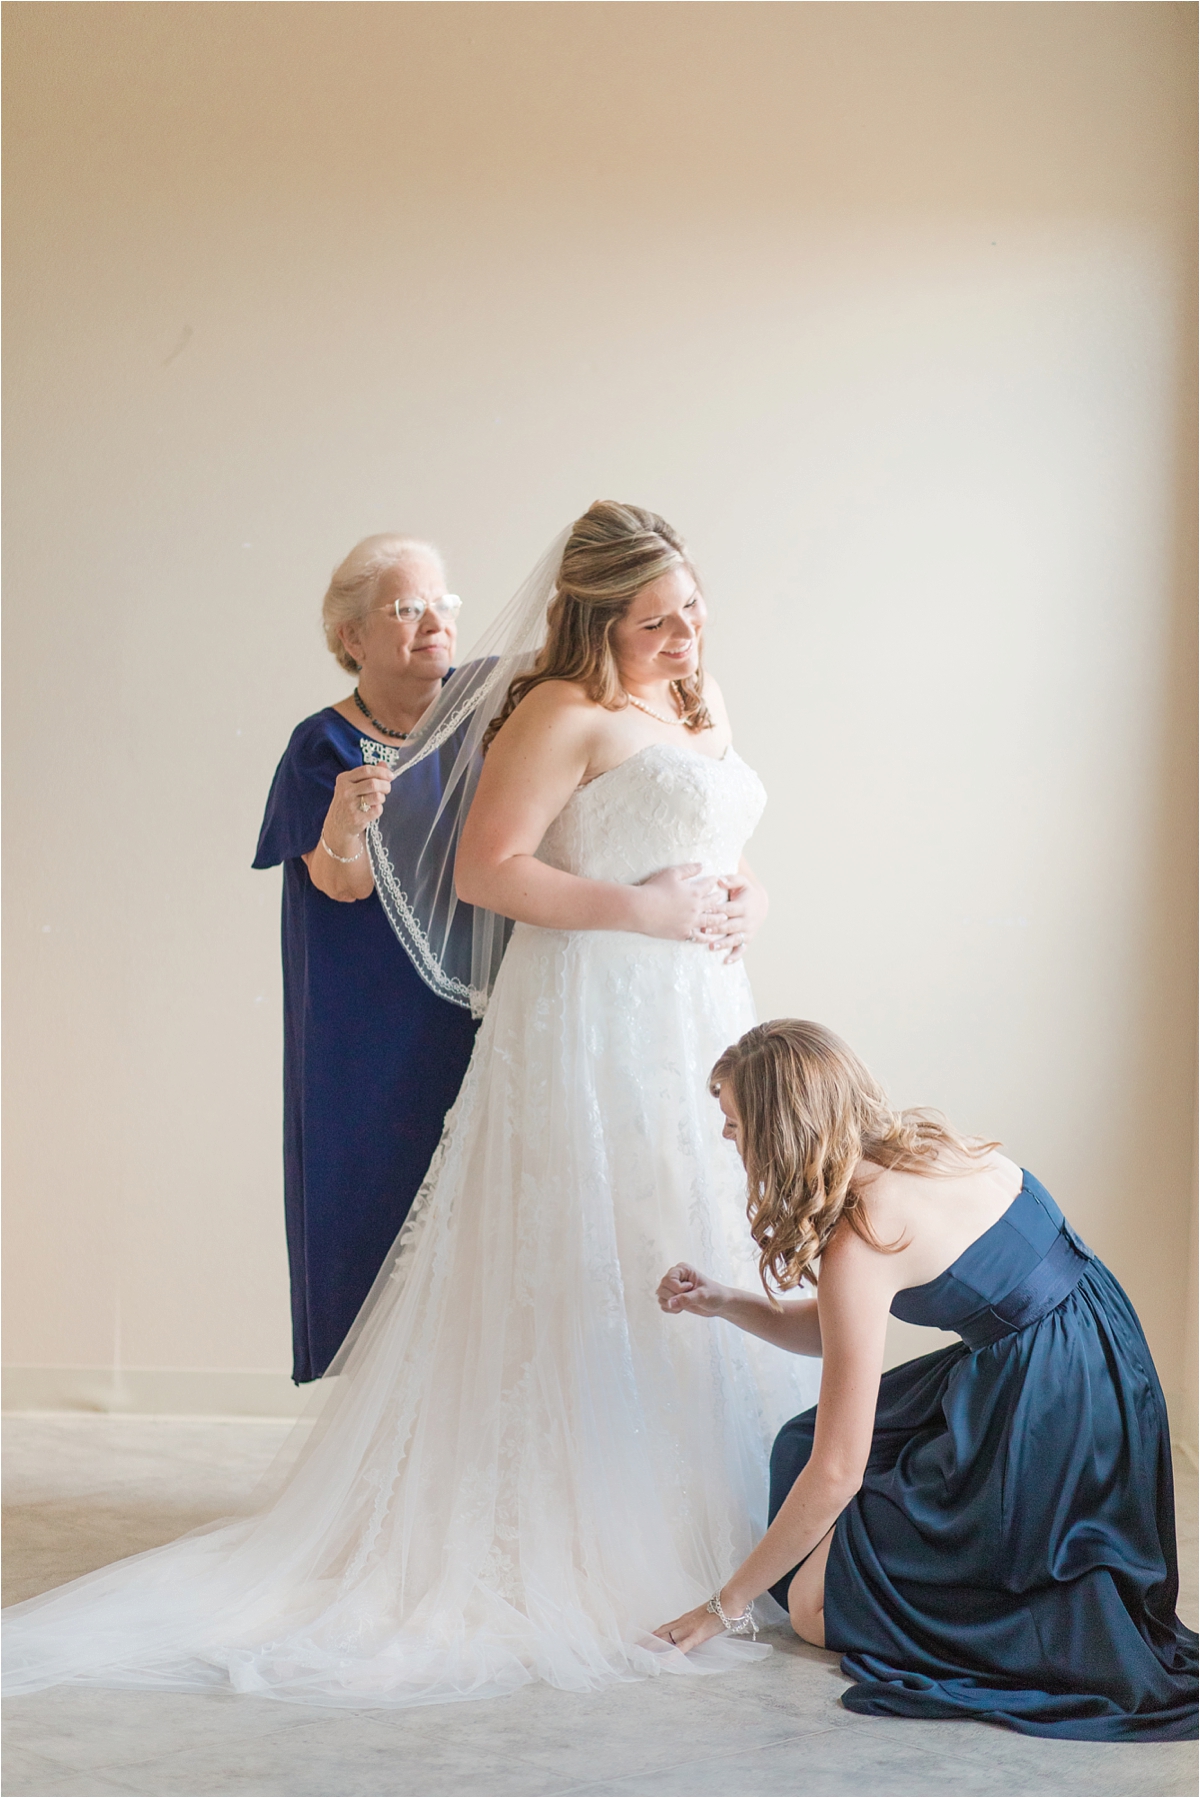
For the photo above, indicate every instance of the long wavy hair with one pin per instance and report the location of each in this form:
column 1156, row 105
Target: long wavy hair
column 809, row 1113
column 612, row 553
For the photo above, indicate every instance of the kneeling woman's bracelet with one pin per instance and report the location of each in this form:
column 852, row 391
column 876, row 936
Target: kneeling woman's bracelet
column 745, row 1625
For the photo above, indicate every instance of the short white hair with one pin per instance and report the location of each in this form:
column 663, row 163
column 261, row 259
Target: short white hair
column 355, row 582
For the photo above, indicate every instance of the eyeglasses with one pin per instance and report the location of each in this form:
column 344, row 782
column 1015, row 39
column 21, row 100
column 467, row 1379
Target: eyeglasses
column 411, row 611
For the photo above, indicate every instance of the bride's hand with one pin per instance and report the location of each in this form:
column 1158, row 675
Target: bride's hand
column 684, row 1288
column 681, row 904
column 742, row 912
column 687, row 1632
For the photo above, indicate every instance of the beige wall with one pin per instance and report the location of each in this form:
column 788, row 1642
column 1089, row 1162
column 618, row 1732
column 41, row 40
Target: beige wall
column 887, row 307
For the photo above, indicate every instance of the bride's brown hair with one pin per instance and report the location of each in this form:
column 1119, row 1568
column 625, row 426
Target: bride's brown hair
column 809, row 1112
column 612, row 553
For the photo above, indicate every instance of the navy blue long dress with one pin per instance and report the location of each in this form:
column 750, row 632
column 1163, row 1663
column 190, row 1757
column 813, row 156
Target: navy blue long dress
column 1011, row 1553
column 372, row 1058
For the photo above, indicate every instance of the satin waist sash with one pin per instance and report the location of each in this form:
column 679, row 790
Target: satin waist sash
column 1054, row 1278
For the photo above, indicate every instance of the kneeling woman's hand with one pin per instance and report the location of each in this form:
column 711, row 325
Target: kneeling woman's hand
column 684, row 1288
column 689, row 1631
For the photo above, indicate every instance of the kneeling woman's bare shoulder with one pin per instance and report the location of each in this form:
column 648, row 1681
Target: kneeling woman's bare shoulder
column 855, row 1271
column 924, row 1219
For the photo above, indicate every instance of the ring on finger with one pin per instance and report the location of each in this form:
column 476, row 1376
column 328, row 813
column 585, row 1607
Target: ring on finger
column 364, row 804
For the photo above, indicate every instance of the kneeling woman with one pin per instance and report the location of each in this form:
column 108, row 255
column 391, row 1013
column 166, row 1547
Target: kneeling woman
column 987, row 1531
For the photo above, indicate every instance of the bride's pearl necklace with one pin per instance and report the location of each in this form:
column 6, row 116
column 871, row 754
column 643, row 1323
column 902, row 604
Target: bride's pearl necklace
column 650, row 711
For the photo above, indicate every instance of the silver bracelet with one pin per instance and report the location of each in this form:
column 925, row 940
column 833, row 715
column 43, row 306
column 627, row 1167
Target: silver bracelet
column 745, row 1625
column 344, row 859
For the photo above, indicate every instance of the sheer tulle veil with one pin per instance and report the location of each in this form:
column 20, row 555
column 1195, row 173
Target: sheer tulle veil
column 456, row 948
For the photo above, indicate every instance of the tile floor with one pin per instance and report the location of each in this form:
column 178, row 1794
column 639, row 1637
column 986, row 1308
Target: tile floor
column 82, row 1490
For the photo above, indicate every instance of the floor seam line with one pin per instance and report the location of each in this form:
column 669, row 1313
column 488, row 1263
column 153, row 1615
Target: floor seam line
column 670, row 1766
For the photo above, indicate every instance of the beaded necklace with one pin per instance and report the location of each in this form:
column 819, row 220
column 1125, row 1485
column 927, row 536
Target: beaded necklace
column 401, row 736
column 650, row 711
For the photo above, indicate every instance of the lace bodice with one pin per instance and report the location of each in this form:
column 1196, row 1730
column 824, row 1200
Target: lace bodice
column 661, row 807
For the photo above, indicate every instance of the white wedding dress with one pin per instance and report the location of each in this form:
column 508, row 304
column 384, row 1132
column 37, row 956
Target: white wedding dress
column 524, row 1466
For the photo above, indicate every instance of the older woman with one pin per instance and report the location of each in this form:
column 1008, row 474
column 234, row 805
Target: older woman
column 372, row 1057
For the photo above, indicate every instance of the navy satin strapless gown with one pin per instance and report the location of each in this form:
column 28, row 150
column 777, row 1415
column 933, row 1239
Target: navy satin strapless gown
column 1011, row 1553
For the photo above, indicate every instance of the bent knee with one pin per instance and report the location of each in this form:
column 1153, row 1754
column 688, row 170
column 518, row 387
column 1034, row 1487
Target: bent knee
column 806, row 1594
column 808, row 1623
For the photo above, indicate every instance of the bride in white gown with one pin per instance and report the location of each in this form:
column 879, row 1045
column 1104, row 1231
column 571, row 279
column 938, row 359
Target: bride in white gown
column 522, row 1467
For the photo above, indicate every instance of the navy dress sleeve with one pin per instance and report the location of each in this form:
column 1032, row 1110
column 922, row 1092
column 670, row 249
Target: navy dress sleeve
column 372, row 1060
column 302, row 789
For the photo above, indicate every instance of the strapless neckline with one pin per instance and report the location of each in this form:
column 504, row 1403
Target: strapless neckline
column 1010, row 1276
column 664, row 805
column 693, row 755
column 951, row 1272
